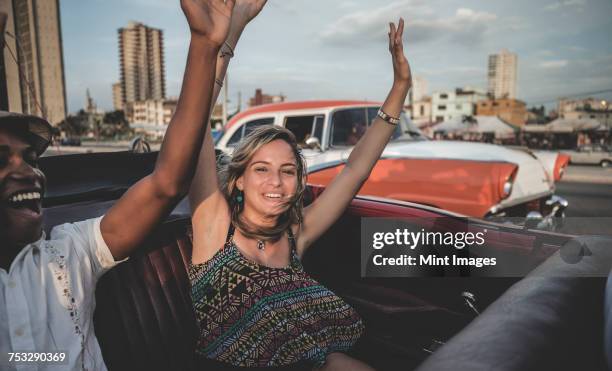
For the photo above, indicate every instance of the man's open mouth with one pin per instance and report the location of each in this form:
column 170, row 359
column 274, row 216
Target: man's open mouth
column 26, row 201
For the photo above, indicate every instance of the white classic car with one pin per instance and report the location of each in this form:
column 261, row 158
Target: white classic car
column 592, row 154
column 473, row 179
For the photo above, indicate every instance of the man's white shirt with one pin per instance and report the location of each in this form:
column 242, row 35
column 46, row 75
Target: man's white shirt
column 47, row 298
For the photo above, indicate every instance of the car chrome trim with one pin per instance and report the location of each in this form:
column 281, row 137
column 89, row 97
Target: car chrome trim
column 509, row 203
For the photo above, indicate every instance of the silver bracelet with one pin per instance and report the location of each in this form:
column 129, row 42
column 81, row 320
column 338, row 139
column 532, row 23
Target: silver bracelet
column 386, row 118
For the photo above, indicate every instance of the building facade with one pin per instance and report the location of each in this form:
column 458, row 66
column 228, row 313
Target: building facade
column 152, row 111
column 572, row 105
column 589, row 108
column 448, row 105
column 512, row 111
column 117, row 97
column 502, row 75
column 421, row 111
column 33, row 59
column 418, row 91
column 141, row 64
column 261, row 98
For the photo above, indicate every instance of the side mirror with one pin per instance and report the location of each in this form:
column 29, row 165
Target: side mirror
column 313, row 143
column 533, row 219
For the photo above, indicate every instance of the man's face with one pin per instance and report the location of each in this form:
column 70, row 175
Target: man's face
column 21, row 189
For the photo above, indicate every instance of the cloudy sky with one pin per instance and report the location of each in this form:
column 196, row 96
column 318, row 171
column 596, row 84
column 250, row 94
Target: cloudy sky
column 319, row 49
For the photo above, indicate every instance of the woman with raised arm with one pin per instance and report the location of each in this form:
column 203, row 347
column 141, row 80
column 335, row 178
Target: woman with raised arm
column 254, row 303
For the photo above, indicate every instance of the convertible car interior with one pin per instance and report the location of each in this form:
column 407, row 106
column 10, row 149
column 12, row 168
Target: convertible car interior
column 144, row 319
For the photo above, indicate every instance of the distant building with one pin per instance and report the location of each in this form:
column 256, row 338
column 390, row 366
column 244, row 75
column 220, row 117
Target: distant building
column 217, row 113
column 33, row 59
column 93, row 115
column 512, row 111
column 419, row 90
column 421, row 111
column 150, row 131
column 448, row 105
column 117, row 100
column 572, row 105
column 261, row 98
column 141, row 63
column 589, row 108
column 502, row 74
column 152, row 111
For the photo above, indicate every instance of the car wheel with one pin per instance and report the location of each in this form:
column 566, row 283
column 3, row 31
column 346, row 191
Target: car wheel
column 605, row 163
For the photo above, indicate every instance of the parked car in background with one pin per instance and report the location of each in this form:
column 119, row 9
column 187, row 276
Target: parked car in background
column 595, row 154
column 473, row 179
column 70, row 141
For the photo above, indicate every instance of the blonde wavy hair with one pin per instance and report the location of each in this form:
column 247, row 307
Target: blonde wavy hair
column 230, row 169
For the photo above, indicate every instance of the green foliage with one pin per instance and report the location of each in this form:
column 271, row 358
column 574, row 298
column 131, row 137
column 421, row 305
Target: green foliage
column 114, row 124
column 75, row 125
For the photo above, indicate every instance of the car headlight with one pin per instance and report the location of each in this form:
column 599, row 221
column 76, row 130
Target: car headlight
column 507, row 189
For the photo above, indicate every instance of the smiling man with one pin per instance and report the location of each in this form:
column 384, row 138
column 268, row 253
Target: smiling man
column 47, row 286
column 22, row 139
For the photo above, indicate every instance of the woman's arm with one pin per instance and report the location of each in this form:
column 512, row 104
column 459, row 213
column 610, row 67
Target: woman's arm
column 146, row 203
column 209, row 211
column 319, row 216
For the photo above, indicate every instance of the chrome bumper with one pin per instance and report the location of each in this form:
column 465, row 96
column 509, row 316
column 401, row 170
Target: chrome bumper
column 553, row 219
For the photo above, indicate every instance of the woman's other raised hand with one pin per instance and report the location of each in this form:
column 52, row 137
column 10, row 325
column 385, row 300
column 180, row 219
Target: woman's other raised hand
column 209, row 19
column 401, row 68
column 246, row 10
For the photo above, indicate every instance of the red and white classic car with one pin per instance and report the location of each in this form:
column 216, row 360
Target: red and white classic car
column 473, row 179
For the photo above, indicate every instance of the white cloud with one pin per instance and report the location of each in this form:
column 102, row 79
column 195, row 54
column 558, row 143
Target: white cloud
column 565, row 4
column 554, row 64
column 366, row 26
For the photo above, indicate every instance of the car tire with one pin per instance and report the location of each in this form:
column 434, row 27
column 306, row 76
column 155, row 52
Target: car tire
column 605, row 163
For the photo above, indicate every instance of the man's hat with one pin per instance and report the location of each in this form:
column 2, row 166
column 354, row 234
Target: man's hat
column 36, row 131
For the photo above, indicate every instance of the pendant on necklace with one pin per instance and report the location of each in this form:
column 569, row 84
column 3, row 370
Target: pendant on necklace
column 261, row 244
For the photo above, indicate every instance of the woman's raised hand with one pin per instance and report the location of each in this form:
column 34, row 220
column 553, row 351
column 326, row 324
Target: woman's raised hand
column 401, row 68
column 246, row 10
column 209, row 19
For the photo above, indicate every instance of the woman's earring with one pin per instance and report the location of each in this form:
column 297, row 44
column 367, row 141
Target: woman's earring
column 239, row 197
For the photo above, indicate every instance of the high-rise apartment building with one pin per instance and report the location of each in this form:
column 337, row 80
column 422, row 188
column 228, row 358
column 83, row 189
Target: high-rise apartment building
column 419, row 90
column 117, row 97
column 502, row 75
column 141, row 63
column 33, row 58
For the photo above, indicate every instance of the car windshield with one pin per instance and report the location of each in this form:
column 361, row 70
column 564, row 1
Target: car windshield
column 407, row 130
column 349, row 125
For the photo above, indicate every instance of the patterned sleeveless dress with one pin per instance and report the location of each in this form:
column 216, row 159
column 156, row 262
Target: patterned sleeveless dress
column 251, row 315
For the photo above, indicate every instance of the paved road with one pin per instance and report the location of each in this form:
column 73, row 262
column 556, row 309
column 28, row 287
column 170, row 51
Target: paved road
column 588, row 174
column 588, row 190
column 586, row 199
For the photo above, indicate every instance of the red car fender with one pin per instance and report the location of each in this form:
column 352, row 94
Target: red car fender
column 462, row 186
column 560, row 165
